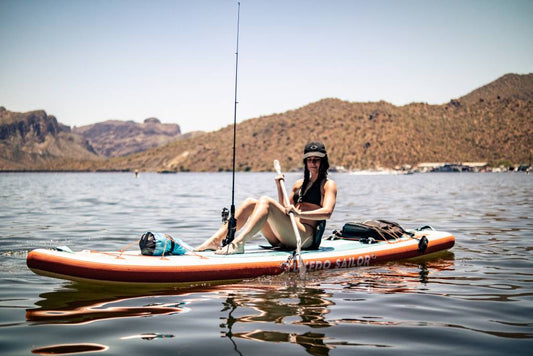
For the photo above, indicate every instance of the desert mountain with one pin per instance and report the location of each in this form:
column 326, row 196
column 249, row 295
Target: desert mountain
column 114, row 138
column 509, row 86
column 34, row 140
column 491, row 124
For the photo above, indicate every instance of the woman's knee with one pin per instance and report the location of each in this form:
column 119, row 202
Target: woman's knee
column 266, row 202
column 249, row 201
column 265, row 199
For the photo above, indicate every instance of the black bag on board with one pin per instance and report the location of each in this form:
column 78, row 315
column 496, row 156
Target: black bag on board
column 376, row 229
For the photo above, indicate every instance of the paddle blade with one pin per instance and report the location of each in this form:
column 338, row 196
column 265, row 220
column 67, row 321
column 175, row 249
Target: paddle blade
column 277, row 167
column 301, row 266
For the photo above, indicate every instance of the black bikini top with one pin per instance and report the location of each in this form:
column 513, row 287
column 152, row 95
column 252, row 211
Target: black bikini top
column 313, row 195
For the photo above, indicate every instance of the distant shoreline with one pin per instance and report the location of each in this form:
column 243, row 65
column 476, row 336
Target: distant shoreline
column 356, row 172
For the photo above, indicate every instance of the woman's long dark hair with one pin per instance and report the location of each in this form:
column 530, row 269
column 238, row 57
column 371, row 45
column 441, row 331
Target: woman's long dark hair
column 322, row 174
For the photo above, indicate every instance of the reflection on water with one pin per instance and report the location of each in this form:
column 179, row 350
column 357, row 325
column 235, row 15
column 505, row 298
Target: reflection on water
column 310, row 305
column 84, row 303
column 296, row 306
column 408, row 277
column 99, row 311
column 69, row 349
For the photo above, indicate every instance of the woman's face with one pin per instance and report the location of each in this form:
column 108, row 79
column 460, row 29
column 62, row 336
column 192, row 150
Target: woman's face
column 313, row 164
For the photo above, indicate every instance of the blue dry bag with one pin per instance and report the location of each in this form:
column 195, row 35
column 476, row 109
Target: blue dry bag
column 158, row 244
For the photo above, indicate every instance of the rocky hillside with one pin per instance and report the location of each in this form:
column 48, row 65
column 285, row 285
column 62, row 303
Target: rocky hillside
column 509, row 86
column 34, row 140
column 119, row 138
column 493, row 124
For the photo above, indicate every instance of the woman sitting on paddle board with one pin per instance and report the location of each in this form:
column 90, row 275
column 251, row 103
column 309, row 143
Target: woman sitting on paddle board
column 312, row 199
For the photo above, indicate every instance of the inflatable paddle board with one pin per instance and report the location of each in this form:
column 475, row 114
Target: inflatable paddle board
column 132, row 267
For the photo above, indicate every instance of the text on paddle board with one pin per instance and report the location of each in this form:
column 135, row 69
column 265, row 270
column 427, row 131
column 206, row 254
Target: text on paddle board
column 316, row 265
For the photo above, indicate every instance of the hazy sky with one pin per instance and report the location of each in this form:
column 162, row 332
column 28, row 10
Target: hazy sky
column 86, row 61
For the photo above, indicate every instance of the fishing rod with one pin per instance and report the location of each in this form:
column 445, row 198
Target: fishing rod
column 232, row 222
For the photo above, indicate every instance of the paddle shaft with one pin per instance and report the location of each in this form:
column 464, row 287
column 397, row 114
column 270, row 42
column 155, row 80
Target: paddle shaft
column 291, row 215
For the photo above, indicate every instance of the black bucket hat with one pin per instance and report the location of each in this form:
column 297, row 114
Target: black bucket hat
column 315, row 149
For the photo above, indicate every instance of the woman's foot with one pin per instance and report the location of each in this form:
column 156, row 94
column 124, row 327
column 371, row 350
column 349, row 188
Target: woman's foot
column 231, row 249
column 208, row 246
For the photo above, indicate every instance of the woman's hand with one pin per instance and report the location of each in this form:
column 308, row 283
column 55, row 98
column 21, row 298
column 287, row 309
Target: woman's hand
column 280, row 177
column 292, row 209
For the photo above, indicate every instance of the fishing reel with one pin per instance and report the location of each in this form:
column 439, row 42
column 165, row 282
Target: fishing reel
column 232, row 225
column 225, row 215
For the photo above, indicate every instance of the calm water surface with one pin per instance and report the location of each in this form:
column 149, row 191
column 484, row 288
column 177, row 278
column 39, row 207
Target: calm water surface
column 476, row 299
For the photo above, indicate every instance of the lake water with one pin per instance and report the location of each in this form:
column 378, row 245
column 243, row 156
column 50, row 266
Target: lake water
column 476, row 299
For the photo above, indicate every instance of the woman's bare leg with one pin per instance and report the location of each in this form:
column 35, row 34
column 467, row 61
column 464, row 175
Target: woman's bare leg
column 256, row 220
column 269, row 217
column 282, row 231
column 241, row 214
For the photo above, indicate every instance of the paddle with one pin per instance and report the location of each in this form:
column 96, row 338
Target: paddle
column 301, row 266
